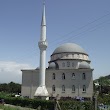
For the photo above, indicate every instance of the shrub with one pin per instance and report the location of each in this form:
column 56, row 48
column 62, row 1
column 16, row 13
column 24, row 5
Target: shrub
column 76, row 105
column 48, row 105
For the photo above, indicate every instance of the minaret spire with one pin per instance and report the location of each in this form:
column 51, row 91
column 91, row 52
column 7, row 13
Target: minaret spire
column 43, row 22
column 41, row 90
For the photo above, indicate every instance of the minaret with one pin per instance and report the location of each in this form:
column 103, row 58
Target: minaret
column 41, row 90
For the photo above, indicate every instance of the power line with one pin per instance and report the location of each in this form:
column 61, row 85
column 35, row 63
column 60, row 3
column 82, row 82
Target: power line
column 75, row 36
column 83, row 32
column 88, row 30
column 80, row 28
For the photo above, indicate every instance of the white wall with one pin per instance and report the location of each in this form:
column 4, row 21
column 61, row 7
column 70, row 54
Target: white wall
column 30, row 82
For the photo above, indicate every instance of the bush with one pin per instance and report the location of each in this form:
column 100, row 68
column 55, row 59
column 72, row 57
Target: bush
column 31, row 103
column 76, row 105
column 47, row 105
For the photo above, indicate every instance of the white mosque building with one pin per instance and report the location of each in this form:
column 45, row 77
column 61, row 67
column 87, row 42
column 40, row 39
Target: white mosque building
column 69, row 73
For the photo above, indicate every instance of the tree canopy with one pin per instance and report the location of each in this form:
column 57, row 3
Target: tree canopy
column 10, row 87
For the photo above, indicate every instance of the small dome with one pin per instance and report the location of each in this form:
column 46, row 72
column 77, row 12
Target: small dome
column 52, row 65
column 37, row 68
column 69, row 48
column 84, row 65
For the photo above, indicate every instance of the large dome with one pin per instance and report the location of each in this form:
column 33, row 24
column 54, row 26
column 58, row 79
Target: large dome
column 69, row 48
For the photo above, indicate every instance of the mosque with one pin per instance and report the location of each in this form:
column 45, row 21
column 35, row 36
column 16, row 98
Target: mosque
column 69, row 73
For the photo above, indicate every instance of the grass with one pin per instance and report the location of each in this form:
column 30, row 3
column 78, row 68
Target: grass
column 8, row 108
column 11, row 107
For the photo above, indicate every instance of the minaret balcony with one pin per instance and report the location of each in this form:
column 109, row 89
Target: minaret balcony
column 43, row 45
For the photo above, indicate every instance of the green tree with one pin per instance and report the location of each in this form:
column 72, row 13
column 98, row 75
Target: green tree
column 10, row 87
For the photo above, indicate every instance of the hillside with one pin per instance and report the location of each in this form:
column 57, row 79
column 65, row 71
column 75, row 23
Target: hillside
column 103, row 80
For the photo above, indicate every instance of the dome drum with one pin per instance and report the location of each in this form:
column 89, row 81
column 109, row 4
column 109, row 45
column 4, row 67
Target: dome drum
column 69, row 56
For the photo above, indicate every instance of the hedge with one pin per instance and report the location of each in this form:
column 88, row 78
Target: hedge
column 76, row 105
column 31, row 103
column 48, row 105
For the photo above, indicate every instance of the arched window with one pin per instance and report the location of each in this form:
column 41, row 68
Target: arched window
column 63, row 64
column 68, row 64
column 72, row 55
column 73, row 88
column 56, row 56
column 80, row 56
column 84, row 88
column 53, row 88
column 53, row 76
column 52, row 57
column 66, row 55
column 63, row 76
column 83, row 56
column 73, row 75
column 63, row 88
column 72, row 64
column 83, row 76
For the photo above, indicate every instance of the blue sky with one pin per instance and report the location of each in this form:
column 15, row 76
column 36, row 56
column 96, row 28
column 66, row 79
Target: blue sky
column 86, row 23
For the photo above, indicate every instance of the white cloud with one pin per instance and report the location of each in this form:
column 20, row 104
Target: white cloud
column 11, row 71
